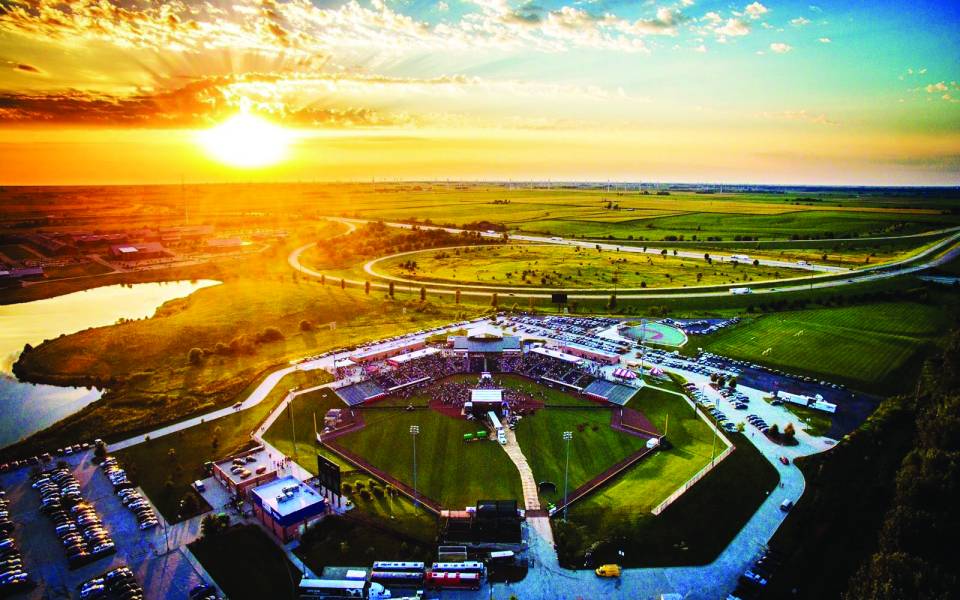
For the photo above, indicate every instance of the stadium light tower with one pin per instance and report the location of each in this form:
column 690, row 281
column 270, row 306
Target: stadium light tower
column 567, row 436
column 414, row 432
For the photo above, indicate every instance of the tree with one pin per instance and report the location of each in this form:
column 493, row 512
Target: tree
column 774, row 429
column 756, row 262
column 789, row 431
column 390, row 290
column 423, row 293
column 494, row 300
column 456, row 297
column 323, row 279
column 612, row 304
column 366, row 287
column 195, row 356
column 306, row 325
column 100, row 450
column 732, row 384
column 189, row 504
column 211, row 525
column 343, row 283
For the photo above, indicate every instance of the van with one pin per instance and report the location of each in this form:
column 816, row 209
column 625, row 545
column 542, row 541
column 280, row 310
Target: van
column 608, row 571
column 502, row 437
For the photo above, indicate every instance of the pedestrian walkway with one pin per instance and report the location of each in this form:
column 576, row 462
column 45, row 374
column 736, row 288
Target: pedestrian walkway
column 531, row 497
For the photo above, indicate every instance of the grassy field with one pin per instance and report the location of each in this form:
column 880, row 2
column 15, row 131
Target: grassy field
column 594, row 448
column 338, row 541
column 452, row 472
column 535, row 266
column 167, row 479
column 656, row 477
column 147, row 370
column 869, row 347
column 247, row 564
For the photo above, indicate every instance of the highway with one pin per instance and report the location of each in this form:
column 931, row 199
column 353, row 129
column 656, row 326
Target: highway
column 825, row 279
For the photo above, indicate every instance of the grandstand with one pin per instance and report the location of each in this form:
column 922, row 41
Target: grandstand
column 610, row 392
column 361, row 392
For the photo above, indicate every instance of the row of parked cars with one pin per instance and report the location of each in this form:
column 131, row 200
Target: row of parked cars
column 758, row 422
column 128, row 494
column 753, row 581
column 76, row 522
column 45, row 458
column 13, row 577
column 738, row 399
column 709, row 406
column 115, row 584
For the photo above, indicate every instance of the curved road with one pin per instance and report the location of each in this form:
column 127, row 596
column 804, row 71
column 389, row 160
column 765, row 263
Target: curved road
column 903, row 266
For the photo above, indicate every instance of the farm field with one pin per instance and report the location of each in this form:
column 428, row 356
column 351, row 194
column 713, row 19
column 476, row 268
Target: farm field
column 533, row 266
column 867, row 347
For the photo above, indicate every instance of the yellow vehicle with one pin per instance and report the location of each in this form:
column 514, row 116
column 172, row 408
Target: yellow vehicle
column 608, row 571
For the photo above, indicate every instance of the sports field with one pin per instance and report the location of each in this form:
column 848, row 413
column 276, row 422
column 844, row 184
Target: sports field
column 867, row 346
column 454, row 473
column 533, row 266
column 658, row 333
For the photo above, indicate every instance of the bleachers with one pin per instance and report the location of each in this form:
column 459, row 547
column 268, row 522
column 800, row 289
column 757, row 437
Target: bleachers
column 358, row 393
column 611, row 392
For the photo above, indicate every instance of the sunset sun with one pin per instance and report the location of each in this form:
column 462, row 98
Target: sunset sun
column 247, row 141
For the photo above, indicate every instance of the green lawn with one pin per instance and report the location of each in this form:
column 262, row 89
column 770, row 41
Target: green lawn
column 869, row 347
column 344, row 541
column 595, row 446
column 247, row 564
column 562, row 266
column 452, row 472
column 166, row 479
column 656, row 477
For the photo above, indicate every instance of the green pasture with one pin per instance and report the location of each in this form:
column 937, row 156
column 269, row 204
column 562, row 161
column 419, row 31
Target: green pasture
column 534, row 266
column 871, row 346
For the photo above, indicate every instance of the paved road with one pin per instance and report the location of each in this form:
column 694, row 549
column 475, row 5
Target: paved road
column 905, row 266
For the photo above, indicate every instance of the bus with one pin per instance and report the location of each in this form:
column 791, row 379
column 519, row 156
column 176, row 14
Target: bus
column 468, row 566
column 384, row 565
column 311, row 589
column 453, row 581
column 398, row 578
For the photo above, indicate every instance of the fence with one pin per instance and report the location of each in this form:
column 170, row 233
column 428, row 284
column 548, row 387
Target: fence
column 697, row 477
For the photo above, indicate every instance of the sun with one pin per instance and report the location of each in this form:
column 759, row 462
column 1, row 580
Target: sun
column 245, row 140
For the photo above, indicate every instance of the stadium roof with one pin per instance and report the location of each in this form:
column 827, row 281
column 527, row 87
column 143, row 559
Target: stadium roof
column 556, row 354
column 486, row 395
column 415, row 355
column 486, row 344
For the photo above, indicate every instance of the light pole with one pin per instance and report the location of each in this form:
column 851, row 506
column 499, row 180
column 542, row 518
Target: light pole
column 414, row 432
column 567, row 436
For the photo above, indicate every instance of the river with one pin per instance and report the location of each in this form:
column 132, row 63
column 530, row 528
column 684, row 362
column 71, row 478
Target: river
column 28, row 408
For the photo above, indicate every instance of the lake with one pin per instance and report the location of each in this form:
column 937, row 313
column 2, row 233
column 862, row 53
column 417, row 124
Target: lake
column 28, row 408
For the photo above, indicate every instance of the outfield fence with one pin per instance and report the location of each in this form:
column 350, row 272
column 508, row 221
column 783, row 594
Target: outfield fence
column 690, row 482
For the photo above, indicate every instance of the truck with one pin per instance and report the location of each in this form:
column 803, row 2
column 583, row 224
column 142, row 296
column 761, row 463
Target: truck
column 739, row 291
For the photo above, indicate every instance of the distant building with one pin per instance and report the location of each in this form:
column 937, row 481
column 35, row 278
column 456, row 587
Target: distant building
column 144, row 251
column 224, row 245
column 287, row 506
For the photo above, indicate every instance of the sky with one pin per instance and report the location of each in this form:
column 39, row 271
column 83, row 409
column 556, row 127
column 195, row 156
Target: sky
column 829, row 92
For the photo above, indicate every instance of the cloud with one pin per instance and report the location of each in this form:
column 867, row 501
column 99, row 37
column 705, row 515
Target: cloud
column 801, row 115
column 24, row 68
column 825, row 40
column 815, row 8
column 733, row 28
column 780, row 47
column 443, row 6
column 756, row 10
column 701, row 48
column 933, row 88
column 800, row 22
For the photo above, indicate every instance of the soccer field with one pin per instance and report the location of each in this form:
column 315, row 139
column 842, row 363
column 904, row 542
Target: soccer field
column 863, row 346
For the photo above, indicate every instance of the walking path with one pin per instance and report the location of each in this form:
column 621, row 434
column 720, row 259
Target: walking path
column 531, row 498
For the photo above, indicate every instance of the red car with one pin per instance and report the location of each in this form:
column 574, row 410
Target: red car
column 785, row 460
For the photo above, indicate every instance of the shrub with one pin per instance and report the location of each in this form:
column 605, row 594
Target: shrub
column 195, row 356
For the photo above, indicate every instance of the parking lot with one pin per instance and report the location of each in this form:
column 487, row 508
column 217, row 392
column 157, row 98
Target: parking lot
column 163, row 575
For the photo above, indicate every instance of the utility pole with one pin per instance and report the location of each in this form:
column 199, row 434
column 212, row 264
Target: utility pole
column 293, row 431
column 414, row 432
column 567, row 436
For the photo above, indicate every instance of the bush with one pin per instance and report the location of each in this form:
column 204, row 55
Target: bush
column 195, row 356
column 270, row 334
column 306, row 325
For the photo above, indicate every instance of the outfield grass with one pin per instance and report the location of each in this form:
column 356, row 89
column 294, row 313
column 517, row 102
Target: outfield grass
column 454, row 473
column 868, row 347
column 595, row 446
column 536, row 266
column 659, row 475
column 247, row 564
